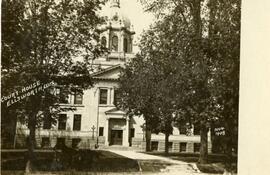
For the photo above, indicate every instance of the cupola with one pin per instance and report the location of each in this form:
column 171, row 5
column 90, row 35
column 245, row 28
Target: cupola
column 117, row 34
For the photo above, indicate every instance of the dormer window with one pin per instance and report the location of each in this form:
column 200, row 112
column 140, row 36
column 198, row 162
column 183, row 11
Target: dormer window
column 115, row 43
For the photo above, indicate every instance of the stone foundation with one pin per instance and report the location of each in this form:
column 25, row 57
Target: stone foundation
column 85, row 142
column 89, row 142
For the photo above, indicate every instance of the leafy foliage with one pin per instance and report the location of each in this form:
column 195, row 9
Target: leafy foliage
column 191, row 55
column 46, row 41
column 40, row 41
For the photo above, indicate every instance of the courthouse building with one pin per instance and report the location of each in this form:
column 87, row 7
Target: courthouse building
column 97, row 121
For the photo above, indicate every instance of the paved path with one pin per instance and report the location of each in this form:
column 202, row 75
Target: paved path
column 172, row 166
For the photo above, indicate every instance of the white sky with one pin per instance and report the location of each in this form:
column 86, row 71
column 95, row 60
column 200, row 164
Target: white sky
column 134, row 11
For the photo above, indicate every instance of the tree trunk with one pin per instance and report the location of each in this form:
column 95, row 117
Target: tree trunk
column 228, row 151
column 147, row 137
column 31, row 142
column 196, row 13
column 204, row 144
column 8, row 127
column 167, row 134
column 212, row 7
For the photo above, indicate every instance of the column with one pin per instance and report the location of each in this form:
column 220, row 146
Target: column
column 109, row 96
column 106, row 132
column 108, row 39
column 121, row 41
column 126, row 138
column 130, row 45
column 112, row 96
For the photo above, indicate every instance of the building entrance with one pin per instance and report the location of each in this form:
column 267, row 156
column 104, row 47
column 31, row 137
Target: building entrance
column 116, row 137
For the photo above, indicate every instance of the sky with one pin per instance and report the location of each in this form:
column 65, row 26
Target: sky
column 134, row 11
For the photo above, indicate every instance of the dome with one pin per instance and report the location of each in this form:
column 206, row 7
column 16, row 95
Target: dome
column 117, row 17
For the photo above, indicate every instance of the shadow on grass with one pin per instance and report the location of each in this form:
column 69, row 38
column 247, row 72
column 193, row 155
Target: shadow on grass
column 193, row 157
column 216, row 162
column 153, row 165
column 82, row 160
column 211, row 168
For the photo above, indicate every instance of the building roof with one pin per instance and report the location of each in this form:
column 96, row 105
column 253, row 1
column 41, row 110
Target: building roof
column 115, row 111
column 110, row 73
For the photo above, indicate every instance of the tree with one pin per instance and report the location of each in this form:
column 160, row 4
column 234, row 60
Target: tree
column 148, row 84
column 40, row 40
column 224, row 46
column 137, row 93
column 208, row 39
column 9, row 43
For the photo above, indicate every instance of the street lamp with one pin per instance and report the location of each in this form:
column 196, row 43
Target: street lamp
column 97, row 92
column 93, row 130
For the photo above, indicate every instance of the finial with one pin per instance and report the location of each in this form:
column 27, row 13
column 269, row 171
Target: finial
column 115, row 3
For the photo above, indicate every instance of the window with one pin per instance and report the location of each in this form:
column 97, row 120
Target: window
column 62, row 95
column 78, row 97
column 197, row 147
column 47, row 124
column 62, row 121
column 132, row 132
column 60, row 143
column 115, row 43
column 45, row 142
column 77, row 122
column 103, row 96
column 196, row 130
column 125, row 45
column 75, row 142
column 154, row 145
column 116, row 97
column 103, row 41
column 100, row 132
column 183, row 147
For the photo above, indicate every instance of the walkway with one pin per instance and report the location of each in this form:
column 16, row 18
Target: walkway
column 171, row 166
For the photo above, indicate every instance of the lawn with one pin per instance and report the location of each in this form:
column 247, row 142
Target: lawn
column 81, row 161
column 216, row 162
column 153, row 165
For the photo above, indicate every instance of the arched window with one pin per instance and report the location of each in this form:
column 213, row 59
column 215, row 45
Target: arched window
column 125, row 45
column 115, row 43
column 103, row 41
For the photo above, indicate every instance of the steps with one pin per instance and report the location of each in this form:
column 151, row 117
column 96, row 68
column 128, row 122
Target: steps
column 118, row 147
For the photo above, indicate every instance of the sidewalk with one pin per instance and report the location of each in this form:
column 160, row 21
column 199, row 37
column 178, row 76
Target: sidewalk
column 171, row 166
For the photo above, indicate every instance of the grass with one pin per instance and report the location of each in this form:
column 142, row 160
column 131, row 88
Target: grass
column 193, row 157
column 4, row 172
column 216, row 162
column 67, row 173
column 83, row 161
column 211, row 168
column 153, row 165
column 86, row 162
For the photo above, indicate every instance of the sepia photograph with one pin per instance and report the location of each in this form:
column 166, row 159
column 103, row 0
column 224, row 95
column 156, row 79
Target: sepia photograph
column 120, row 87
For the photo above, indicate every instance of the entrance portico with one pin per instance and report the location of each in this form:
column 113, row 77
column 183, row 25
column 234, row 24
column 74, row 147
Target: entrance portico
column 116, row 128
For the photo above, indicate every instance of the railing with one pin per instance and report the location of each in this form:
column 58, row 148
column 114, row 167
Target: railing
column 121, row 56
